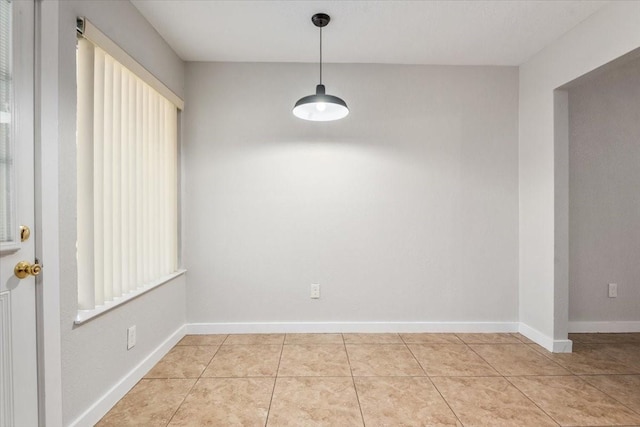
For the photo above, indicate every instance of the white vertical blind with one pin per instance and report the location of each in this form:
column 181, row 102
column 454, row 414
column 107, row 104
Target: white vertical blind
column 85, row 174
column 127, row 180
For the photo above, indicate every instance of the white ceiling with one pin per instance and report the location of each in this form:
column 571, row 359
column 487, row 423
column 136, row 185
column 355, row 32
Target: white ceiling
column 392, row 31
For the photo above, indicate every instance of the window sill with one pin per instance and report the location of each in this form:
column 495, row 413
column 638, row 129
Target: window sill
column 9, row 247
column 87, row 315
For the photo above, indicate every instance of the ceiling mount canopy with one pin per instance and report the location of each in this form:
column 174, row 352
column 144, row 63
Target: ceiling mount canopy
column 320, row 107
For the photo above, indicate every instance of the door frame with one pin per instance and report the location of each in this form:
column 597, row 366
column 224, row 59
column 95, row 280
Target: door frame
column 46, row 140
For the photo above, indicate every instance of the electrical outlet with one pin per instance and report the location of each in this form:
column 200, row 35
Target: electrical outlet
column 315, row 291
column 131, row 337
column 613, row 290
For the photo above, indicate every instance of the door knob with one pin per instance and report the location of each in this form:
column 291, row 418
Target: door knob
column 24, row 269
column 25, row 233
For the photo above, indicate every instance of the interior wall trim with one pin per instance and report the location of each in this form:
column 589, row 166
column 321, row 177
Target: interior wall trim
column 101, row 406
column 610, row 326
column 553, row 345
column 346, row 327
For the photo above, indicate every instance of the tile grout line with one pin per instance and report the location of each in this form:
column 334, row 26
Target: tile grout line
column 214, row 356
column 551, row 360
column 485, row 360
column 580, row 376
column 622, row 362
column 194, row 383
column 353, row 381
column 607, row 394
column 432, row 383
column 275, row 380
column 513, row 385
column 183, row 400
column 572, row 372
column 414, row 357
column 531, row 400
column 526, row 375
column 445, row 401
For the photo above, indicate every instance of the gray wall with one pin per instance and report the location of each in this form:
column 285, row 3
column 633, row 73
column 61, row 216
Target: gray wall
column 94, row 355
column 604, row 36
column 604, row 196
column 407, row 210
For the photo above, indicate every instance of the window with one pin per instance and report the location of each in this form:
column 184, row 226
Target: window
column 127, row 181
column 7, row 211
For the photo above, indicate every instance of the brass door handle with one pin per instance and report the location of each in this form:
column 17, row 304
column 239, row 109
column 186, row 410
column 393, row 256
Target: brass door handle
column 24, row 269
column 25, row 233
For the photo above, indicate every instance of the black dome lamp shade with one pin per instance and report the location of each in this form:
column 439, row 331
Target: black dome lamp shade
column 320, row 107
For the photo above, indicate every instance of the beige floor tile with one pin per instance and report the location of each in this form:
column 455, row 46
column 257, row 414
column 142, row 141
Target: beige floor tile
column 202, row 340
column 543, row 351
column 372, row 339
column 313, row 402
column 629, row 354
column 572, row 401
column 391, row 384
column 183, row 362
column 522, row 338
column 517, row 359
column 149, row 403
column 251, row 339
column 489, row 338
column 490, row 401
column 624, row 388
column 588, row 359
column 244, row 361
column 634, row 337
column 396, row 401
column 377, row 360
column 428, row 338
column 450, row 360
column 314, row 339
column 226, row 402
column 326, row 360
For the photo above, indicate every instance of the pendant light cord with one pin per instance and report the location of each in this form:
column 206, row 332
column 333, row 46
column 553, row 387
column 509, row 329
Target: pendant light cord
column 320, row 55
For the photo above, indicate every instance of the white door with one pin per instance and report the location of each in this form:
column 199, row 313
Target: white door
column 18, row 357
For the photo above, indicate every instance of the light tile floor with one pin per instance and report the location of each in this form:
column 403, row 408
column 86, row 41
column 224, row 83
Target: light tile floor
column 346, row 380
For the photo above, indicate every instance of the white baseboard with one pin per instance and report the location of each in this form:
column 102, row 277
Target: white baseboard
column 555, row 346
column 338, row 327
column 577, row 327
column 96, row 411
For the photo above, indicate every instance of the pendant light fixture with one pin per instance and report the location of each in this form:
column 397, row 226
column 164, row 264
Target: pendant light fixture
column 320, row 107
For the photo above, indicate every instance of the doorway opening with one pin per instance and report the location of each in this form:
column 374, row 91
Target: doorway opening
column 597, row 236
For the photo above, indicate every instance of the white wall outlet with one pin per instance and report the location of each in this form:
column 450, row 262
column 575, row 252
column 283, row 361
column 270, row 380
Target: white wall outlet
column 315, row 291
column 131, row 337
column 613, row 290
